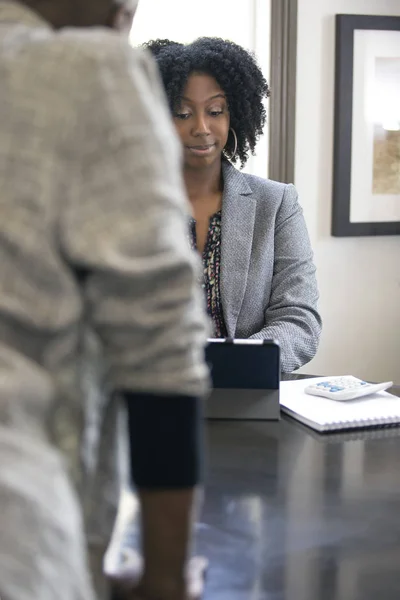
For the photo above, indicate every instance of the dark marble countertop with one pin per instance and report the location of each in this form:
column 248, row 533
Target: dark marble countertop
column 293, row 515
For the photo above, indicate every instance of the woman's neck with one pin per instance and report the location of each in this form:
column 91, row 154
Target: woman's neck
column 203, row 183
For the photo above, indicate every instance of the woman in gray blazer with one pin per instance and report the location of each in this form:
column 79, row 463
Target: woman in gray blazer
column 259, row 275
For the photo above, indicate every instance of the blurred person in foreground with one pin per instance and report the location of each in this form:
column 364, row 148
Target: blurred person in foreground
column 98, row 305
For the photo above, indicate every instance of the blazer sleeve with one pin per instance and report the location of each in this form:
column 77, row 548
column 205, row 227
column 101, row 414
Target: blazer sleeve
column 291, row 316
column 126, row 228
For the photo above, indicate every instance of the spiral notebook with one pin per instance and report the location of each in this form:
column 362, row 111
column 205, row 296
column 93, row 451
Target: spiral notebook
column 377, row 410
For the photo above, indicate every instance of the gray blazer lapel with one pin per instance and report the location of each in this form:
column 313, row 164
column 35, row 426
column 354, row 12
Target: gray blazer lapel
column 238, row 217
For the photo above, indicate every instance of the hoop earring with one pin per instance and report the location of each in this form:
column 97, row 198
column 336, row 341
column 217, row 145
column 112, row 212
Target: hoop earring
column 236, row 145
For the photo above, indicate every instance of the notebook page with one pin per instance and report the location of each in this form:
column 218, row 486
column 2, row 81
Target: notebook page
column 376, row 408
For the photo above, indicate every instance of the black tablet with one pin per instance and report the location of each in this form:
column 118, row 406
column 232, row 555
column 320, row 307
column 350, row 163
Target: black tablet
column 245, row 376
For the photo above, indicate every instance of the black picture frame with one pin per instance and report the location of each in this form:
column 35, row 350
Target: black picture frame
column 345, row 27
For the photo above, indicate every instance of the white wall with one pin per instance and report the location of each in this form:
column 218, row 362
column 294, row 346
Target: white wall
column 246, row 22
column 359, row 278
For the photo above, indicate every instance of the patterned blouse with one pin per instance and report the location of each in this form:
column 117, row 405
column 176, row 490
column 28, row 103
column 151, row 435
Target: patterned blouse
column 211, row 272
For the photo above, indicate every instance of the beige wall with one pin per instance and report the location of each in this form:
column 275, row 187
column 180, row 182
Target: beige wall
column 359, row 278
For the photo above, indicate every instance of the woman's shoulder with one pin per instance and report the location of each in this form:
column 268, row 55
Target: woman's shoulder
column 268, row 189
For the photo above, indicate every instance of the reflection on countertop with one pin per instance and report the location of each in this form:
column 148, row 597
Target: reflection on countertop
column 292, row 515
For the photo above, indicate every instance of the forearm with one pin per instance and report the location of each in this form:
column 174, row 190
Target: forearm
column 298, row 334
column 167, row 523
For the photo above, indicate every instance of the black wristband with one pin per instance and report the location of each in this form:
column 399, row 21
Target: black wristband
column 166, row 440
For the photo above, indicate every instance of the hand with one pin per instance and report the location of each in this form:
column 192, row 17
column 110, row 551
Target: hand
column 127, row 583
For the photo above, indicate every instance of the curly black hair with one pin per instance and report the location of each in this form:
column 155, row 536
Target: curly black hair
column 236, row 72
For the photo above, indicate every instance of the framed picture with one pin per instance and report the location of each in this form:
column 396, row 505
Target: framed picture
column 366, row 180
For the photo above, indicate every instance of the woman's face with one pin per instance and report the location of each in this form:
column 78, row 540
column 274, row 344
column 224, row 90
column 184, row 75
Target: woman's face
column 202, row 121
